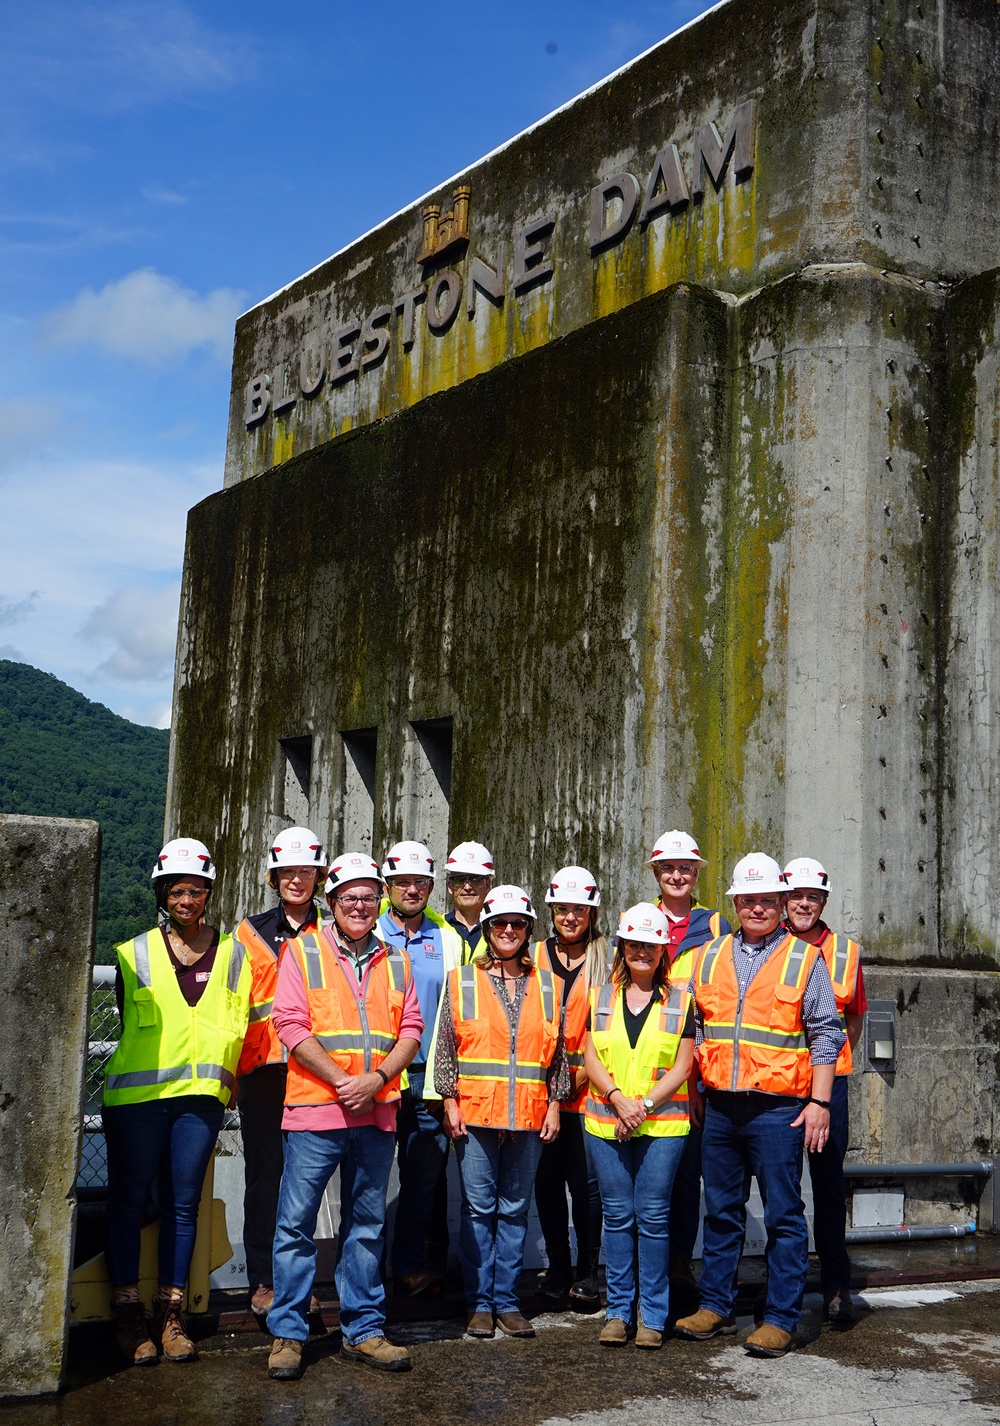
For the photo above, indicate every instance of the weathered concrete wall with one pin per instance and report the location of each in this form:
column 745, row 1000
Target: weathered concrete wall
column 49, row 870
column 701, row 530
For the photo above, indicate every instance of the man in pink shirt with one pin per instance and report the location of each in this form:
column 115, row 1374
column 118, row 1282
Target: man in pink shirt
column 347, row 1010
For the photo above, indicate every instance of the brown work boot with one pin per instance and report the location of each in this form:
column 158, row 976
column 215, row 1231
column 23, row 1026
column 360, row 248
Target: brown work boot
column 704, row 1324
column 262, row 1301
column 418, row 1283
column 614, row 1333
column 132, row 1334
column 769, row 1341
column 377, row 1352
column 647, row 1337
column 285, row 1361
column 513, row 1324
column 480, row 1324
column 170, row 1330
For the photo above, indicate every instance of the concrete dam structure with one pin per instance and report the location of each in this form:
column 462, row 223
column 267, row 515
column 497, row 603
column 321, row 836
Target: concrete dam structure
column 646, row 475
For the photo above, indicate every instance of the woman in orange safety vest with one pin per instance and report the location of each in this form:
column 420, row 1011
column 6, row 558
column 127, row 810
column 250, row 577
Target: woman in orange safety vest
column 639, row 1054
column 500, row 1068
column 577, row 955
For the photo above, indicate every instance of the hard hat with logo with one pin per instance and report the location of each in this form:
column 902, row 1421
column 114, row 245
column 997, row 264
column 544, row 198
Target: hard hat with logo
column 806, row 872
column 408, row 859
column 755, row 875
column 504, row 901
column 644, row 922
column 184, row 856
column 472, row 858
column 573, row 886
column 296, row 846
column 351, row 866
column 676, row 846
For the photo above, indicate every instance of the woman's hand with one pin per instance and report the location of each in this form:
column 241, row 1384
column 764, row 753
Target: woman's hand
column 454, row 1123
column 631, row 1112
column 550, row 1124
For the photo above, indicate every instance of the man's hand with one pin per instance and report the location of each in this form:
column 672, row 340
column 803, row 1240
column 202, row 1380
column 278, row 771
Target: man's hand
column 817, row 1126
column 357, row 1092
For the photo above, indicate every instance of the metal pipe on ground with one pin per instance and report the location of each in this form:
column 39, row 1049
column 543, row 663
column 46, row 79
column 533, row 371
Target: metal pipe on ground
column 903, row 1234
column 981, row 1168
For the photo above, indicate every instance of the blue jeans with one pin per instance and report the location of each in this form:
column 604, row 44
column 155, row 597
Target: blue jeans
column 685, row 1205
column 751, row 1134
column 423, row 1156
column 167, row 1142
column 826, row 1169
column 497, row 1172
column 637, row 1177
column 364, row 1156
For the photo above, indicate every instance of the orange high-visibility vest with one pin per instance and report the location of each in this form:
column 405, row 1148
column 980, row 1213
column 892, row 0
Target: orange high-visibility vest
column 574, row 1008
column 356, row 1030
column 636, row 1071
column 502, row 1073
column 759, row 1043
column 261, row 1046
column 842, row 956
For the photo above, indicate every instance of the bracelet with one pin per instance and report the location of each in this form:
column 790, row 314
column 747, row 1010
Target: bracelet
column 612, row 1090
column 382, row 1076
column 823, row 1103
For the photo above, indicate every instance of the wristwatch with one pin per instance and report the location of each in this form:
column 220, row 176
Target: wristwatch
column 648, row 1105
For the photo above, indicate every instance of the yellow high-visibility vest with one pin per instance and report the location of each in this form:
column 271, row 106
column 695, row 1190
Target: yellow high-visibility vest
column 168, row 1047
column 636, row 1072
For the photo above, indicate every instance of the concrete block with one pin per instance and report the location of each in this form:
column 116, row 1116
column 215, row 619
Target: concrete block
column 49, row 873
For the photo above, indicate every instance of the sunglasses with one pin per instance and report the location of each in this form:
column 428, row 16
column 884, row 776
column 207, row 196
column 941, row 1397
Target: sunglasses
column 513, row 923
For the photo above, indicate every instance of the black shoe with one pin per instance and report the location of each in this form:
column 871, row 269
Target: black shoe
column 554, row 1283
column 585, row 1292
column 839, row 1308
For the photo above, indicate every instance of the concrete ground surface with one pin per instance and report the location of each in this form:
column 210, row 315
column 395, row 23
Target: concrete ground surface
column 918, row 1356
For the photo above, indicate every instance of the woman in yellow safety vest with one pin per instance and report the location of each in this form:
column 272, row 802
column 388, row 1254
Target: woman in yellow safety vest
column 500, row 1068
column 638, row 1055
column 184, row 1000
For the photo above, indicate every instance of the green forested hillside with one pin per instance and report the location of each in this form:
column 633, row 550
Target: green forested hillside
column 63, row 756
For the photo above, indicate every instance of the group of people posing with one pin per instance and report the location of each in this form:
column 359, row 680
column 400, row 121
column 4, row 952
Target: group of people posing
column 610, row 1080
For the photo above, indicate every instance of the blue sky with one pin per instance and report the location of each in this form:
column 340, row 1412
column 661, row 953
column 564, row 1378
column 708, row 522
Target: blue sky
column 164, row 166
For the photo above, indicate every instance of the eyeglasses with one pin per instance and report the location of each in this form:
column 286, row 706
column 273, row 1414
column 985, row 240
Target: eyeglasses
column 179, row 893
column 473, row 881
column 350, row 902
column 418, row 881
column 512, row 923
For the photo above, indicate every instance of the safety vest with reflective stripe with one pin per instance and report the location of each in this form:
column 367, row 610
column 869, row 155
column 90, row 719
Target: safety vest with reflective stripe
column 842, row 956
column 168, row 1047
column 635, row 1072
column 356, row 1030
column 502, row 1071
column 261, row 1046
column 757, row 1042
column 574, row 1007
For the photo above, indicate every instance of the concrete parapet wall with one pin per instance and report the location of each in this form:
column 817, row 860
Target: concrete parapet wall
column 49, row 871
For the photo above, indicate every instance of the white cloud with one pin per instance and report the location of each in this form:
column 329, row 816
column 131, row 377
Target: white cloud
column 8, row 651
column 142, row 623
column 12, row 611
column 28, row 425
column 154, row 715
column 148, row 317
column 155, row 193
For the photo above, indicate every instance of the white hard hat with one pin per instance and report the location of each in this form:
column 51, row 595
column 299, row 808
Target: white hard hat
column 644, row 922
column 296, row 846
column 676, row 846
column 472, row 858
column 504, row 900
column 408, row 857
column 806, row 872
column 574, row 886
column 182, row 857
column 756, row 874
column 351, row 866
